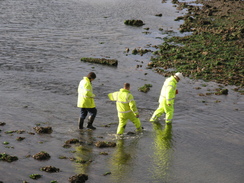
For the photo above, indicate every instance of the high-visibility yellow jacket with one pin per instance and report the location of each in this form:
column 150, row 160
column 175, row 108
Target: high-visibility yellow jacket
column 125, row 102
column 85, row 94
column 168, row 90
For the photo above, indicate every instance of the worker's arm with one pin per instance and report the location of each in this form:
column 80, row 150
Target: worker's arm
column 170, row 95
column 132, row 104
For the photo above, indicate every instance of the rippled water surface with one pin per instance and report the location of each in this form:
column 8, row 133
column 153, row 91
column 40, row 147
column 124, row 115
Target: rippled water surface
column 41, row 43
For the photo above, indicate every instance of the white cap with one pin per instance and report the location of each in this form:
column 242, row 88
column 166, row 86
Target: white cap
column 179, row 75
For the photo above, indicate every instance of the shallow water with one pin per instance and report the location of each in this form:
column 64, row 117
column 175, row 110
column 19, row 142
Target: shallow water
column 42, row 42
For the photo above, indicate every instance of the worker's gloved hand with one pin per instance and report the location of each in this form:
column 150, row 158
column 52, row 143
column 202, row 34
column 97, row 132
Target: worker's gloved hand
column 176, row 92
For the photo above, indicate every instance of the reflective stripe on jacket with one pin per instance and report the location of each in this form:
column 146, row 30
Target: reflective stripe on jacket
column 125, row 102
column 85, row 94
column 168, row 90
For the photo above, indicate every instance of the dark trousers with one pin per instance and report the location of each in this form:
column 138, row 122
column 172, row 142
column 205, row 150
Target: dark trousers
column 84, row 111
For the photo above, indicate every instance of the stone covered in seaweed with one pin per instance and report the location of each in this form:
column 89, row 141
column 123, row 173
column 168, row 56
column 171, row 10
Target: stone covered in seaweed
column 79, row 178
column 8, row 158
column 111, row 62
column 50, row 169
column 102, row 144
column 41, row 156
column 134, row 22
column 40, row 129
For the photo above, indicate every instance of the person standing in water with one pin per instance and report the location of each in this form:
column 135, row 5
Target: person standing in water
column 86, row 101
column 167, row 98
column 126, row 107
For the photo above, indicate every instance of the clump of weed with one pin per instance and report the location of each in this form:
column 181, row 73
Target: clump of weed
column 35, row 176
column 8, row 158
column 145, row 88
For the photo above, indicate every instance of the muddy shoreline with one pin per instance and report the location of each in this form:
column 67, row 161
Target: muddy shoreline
column 214, row 51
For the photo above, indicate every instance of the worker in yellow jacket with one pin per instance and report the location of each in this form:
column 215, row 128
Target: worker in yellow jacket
column 126, row 107
column 86, row 101
column 167, row 97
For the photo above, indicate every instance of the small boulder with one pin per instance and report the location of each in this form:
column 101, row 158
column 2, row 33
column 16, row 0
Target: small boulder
column 80, row 178
column 50, row 169
column 102, row 144
column 41, row 156
column 40, row 129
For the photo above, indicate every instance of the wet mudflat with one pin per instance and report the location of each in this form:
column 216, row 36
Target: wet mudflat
column 41, row 46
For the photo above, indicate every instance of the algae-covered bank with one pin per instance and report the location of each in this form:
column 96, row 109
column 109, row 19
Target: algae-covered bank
column 214, row 51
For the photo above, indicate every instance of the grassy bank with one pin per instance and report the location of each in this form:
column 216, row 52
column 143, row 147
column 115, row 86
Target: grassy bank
column 215, row 49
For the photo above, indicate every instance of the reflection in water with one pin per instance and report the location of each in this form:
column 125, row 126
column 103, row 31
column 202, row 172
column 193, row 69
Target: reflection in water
column 83, row 155
column 122, row 160
column 163, row 151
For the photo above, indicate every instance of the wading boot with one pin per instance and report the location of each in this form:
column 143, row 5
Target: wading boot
column 80, row 123
column 90, row 121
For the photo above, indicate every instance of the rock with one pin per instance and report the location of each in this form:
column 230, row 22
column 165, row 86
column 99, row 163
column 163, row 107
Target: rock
column 159, row 15
column 20, row 138
column 134, row 22
column 80, row 178
column 102, row 144
column 111, row 62
column 72, row 141
column 2, row 123
column 42, row 156
column 224, row 92
column 50, row 169
column 8, row 158
column 40, row 129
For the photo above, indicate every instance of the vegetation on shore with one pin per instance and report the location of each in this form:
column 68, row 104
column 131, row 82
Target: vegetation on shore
column 214, row 51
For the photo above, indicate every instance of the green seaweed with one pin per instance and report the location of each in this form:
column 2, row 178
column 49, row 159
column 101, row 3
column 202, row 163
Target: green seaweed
column 35, row 176
column 213, row 52
column 145, row 88
column 8, row 158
